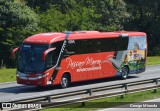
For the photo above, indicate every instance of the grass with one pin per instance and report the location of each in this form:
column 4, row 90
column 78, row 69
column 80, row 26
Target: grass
column 155, row 60
column 7, row 75
column 109, row 102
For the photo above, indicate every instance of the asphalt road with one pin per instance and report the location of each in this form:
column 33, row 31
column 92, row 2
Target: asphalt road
column 14, row 91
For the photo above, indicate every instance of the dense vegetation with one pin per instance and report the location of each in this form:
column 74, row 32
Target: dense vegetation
column 22, row 18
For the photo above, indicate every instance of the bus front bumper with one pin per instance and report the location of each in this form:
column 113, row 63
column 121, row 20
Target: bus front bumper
column 37, row 79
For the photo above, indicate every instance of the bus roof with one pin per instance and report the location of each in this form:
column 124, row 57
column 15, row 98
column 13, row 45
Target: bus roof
column 48, row 38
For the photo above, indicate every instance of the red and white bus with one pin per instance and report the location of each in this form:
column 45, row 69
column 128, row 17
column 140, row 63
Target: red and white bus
column 63, row 58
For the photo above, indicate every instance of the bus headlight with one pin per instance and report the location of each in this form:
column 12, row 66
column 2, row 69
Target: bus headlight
column 20, row 74
column 41, row 75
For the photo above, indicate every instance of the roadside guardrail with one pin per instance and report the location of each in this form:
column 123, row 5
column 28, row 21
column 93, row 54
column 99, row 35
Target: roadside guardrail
column 54, row 100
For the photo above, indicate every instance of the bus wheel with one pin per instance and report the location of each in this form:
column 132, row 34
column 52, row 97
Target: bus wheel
column 124, row 73
column 64, row 81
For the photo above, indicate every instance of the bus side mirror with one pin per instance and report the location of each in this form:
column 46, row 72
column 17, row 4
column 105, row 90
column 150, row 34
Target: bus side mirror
column 46, row 52
column 13, row 52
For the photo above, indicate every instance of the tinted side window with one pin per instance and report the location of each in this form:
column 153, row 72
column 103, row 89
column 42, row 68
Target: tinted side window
column 71, row 46
column 83, row 46
column 116, row 44
column 58, row 46
column 51, row 60
column 97, row 45
column 108, row 44
column 121, row 43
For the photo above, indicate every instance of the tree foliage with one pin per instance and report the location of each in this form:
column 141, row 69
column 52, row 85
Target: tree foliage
column 145, row 16
column 16, row 22
column 21, row 18
column 102, row 15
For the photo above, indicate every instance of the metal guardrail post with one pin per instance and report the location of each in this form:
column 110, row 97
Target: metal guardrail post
column 1, row 107
column 156, row 82
column 48, row 98
column 90, row 94
column 89, row 91
column 83, row 104
column 125, row 86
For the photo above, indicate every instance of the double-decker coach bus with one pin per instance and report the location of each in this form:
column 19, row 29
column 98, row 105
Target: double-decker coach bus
column 63, row 58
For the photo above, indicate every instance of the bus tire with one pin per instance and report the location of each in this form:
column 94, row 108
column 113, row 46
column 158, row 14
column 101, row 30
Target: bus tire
column 124, row 73
column 65, row 81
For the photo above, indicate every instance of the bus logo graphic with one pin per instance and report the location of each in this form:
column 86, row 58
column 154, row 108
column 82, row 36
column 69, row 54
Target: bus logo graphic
column 87, row 65
column 6, row 105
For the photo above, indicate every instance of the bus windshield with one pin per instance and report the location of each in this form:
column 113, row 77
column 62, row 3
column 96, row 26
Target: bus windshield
column 30, row 58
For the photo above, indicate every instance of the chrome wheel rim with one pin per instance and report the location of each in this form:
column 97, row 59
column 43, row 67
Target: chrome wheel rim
column 64, row 82
column 124, row 73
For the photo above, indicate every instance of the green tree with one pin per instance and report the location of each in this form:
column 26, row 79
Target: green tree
column 113, row 13
column 145, row 17
column 16, row 22
column 102, row 15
